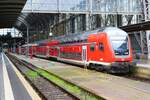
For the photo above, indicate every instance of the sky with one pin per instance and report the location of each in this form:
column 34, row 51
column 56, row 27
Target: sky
column 13, row 31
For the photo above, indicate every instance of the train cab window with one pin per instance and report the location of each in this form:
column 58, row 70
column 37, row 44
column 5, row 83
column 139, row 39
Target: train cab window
column 101, row 46
column 92, row 47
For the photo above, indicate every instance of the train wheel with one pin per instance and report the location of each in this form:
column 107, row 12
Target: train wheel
column 91, row 66
column 99, row 68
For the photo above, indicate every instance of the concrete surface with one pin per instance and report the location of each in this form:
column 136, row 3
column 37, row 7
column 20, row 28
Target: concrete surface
column 11, row 85
column 2, row 96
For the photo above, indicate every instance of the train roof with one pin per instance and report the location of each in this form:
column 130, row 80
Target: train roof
column 30, row 44
column 77, row 36
column 81, row 36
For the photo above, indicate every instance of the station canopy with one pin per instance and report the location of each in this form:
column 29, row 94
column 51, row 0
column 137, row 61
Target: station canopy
column 9, row 12
column 40, row 14
column 84, row 6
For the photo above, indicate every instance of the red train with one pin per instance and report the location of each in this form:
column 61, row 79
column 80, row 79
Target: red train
column 105, row 49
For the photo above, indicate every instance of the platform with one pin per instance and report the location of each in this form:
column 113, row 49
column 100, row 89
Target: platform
column 143, row 63
column 105, row 85
column 13, row 86
column 142, row 69
column 1, row 79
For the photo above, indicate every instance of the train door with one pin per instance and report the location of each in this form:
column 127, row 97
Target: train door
column 19, row 49
column 58, row 51
column 47, row 51
column 84, row 54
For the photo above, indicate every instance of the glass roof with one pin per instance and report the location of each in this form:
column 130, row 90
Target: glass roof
column 84, row 6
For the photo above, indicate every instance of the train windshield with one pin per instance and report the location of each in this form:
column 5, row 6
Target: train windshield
column 120, row 46
column 119, row 41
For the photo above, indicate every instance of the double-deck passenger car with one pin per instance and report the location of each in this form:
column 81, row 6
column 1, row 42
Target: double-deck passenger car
column 105, row 49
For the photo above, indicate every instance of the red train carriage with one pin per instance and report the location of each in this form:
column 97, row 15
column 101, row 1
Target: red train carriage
column 106, row 48
column 47, row 49
column 53, row 49
column 32, row 49
column 41, row 49
column 23, row 49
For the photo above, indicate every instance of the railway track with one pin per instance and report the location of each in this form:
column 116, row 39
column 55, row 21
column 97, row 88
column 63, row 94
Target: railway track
column 70, row 90
column 45, row 88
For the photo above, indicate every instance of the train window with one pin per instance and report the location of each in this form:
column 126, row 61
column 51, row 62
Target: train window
column 101, row 46
column 92, row 47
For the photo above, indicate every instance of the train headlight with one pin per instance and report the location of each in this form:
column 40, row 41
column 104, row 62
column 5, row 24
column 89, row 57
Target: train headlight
column 126, row 53
column 101, row 59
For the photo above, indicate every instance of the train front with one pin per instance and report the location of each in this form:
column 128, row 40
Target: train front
column 121, row 49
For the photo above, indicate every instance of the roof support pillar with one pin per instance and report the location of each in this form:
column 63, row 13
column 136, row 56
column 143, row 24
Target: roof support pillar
column 27, row 41
column 148, row 43
column 27, row 33
column 146, row 5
